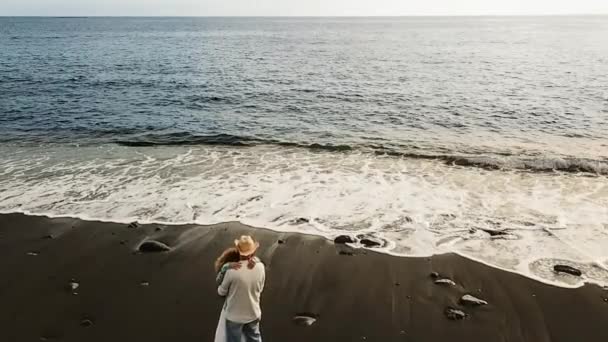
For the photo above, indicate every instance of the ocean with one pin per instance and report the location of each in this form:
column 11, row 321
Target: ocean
column 482, row 136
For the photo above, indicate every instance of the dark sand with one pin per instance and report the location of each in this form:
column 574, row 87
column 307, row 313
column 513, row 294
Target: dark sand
column 366, row 296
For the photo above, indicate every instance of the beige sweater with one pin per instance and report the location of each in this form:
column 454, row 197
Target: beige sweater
column 243, row 288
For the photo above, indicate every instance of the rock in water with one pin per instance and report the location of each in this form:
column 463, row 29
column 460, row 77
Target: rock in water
column 567, row 269
column 445, row 281
column 300, row 220
column 305, row 319
column 344, row 239
column 371, row 241
column 472, row 301
column 454, row 314
column 152, row 246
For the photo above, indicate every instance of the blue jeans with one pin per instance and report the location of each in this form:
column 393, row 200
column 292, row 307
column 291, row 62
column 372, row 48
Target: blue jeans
column 250, row 331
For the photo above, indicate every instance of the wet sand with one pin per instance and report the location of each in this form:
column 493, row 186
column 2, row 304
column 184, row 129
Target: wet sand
column 121, row 294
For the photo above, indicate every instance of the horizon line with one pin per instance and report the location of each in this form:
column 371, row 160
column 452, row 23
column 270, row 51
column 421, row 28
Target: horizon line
column 307, row 16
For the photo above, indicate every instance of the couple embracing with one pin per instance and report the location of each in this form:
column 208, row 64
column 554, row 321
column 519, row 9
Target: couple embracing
column 240, row 279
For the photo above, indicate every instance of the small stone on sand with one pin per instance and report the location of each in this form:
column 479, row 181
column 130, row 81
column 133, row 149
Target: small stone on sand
column 280, row 241
column 305, row 319
column 158, row 229
column 445, row 281
column 471, row 300
column 73, row 285
column 133, row 225
column 152, row 246
column 435, row 275
column 86, row 322
column 48, row 237
column 454, row 314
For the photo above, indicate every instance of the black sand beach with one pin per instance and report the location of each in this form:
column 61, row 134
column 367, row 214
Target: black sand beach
column 120, row 294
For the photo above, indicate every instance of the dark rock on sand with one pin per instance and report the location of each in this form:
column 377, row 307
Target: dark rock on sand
column 454, row 314
column 158, row 229
column 49, row 237
column 472, row 301
column 152, row 246
column 133, row 225
column 86, row 322
column 73, row 285
column 344, row 239
column 435, row 275
column 445, row 281
column 567, row 269
column 305, row 319
column 370, row 241
column 281, row 241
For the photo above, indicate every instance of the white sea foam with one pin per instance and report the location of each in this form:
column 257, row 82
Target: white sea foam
column 421, row 207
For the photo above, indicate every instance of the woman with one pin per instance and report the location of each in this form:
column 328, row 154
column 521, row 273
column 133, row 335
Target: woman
column 228, row 259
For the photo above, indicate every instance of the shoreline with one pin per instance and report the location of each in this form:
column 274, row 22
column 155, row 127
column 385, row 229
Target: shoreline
column 583, row 282
column 125, row 295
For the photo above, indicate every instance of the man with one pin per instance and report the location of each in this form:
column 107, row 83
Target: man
column 242, row 285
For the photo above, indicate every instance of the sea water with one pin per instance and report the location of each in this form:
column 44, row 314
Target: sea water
column 482, row 136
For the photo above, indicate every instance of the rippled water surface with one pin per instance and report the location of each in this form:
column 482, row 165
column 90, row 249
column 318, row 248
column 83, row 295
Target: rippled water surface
column 431, row 133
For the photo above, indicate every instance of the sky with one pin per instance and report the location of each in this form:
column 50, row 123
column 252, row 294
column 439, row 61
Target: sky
column 299, row 7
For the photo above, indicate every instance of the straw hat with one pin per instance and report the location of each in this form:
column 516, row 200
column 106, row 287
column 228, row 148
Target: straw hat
column 246, row 245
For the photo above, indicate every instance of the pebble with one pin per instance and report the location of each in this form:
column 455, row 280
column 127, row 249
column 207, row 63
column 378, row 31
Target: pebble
column 445, row 281
column 49, row 237
column 454, row 314
column 305, row 319
column 86, row 322
column 158, row 229
column 435, row 275
column 32, row 253
column 73, row 285
column 152, row 246
column 133, row 225
column 280, row 241
column 472, row 300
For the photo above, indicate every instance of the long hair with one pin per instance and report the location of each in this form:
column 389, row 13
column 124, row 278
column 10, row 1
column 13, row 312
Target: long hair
column 229, row 255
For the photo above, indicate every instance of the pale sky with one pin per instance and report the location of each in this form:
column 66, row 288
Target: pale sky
column 299, row 7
